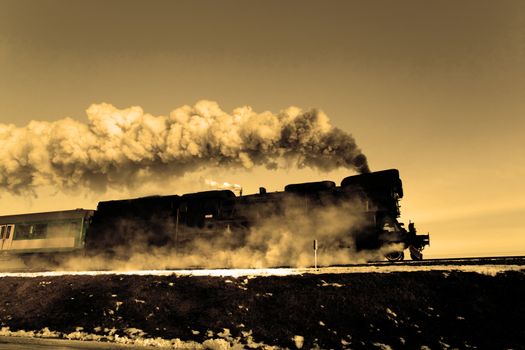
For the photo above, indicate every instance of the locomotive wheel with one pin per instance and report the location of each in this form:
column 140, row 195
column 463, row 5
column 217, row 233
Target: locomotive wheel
column 395, row 256
column 416, row 257
column 415, row 254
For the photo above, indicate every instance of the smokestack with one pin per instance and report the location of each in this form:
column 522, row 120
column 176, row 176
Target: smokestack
column 123, row 147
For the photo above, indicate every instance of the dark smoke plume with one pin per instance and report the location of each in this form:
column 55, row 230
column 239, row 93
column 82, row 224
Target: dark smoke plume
column 122, row 147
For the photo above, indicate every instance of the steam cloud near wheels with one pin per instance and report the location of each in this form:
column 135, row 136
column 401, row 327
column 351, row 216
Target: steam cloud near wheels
column 123, row 147
column 277, row 240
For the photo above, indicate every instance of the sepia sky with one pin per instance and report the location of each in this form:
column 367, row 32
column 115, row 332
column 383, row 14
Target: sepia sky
column 433, row 88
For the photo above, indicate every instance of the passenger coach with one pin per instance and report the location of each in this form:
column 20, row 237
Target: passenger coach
column 59, row 231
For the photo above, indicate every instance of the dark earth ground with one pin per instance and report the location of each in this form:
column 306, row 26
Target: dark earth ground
column 403, row 310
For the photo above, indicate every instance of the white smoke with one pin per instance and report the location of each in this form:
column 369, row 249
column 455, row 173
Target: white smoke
column 223, row 185
column 125, row 147
column 283, row 239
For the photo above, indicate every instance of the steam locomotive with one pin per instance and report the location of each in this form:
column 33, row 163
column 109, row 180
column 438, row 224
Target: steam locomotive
column 174, row 221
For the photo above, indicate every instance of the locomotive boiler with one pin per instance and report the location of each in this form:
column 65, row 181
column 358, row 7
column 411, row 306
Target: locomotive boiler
column 118, row 226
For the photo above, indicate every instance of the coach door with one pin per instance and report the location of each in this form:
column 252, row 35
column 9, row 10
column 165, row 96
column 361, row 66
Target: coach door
column 6, row 236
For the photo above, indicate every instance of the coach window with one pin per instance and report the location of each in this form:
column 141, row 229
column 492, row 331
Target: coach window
column 39, row 230
column 24, row 232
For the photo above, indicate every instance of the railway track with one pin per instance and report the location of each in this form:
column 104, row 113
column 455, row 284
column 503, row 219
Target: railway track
column 494, row 260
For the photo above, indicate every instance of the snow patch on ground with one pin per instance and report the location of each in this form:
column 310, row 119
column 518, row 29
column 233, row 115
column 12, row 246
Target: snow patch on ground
column 137, row 337
column 326, row 284
column 491, row 270
column 299, row 341
column 391, row 313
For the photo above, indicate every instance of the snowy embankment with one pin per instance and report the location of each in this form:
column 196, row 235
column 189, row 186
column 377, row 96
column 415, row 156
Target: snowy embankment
column 341, row 307
column 486, row 269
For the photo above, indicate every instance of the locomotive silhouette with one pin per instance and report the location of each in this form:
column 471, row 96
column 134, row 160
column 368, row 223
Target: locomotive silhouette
column 118, row 226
